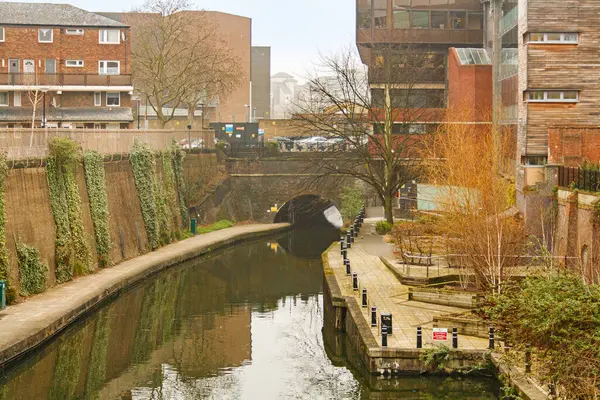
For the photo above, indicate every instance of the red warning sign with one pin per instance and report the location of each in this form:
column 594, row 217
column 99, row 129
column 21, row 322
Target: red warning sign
column 440, row 334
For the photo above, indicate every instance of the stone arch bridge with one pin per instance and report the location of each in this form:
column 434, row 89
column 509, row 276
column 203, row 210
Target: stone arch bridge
column 288, row 184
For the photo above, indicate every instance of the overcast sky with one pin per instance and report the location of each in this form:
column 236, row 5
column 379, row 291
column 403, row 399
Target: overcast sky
column 296, row 30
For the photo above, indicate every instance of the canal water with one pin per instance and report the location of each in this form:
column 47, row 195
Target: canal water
column 245, row 323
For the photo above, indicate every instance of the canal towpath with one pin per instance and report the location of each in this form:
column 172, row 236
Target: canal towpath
column 29, row 324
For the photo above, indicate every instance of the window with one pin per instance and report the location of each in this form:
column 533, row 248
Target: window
column 97, row 99
column 420, row 3
column 381, row 4
column 74, row 63
column 475, row 21
column 109, row 36
column 535, row 160
column 3, row 98
column 113, row 99
column 559, row 38
column 17, row 99
column 45, row 35
column 401, row 19
column 109, row 67
column 553, row 96
column 380, row 18
column 420, row 19
column 439, row 19
column 1, row 34
column 364, row 19
column 73, row 31
column 401, row 3
column 457, row 19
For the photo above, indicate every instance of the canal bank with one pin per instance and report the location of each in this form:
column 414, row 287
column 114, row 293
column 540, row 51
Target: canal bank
column 27, row 325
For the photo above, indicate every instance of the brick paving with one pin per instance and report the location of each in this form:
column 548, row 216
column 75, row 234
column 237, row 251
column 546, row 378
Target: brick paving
column 386, row 292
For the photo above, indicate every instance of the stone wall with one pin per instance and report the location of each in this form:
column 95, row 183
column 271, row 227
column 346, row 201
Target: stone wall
column 29, row 216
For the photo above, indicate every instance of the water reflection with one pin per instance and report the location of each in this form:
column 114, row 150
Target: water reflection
column 246, row 324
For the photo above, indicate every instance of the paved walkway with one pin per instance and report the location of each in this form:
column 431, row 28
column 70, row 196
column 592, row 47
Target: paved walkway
column 389, row 295
column 27, row 324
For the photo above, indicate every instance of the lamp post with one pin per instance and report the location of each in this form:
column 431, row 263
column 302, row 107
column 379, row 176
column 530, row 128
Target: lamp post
column 202, row 126
column 190, row 137
column 248, row 117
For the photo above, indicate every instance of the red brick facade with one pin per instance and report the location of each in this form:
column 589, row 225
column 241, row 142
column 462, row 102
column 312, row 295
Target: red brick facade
column 469, row 89
column 572, row 146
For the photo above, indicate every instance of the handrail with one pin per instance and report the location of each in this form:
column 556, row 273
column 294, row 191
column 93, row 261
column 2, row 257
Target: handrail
column 23, row 79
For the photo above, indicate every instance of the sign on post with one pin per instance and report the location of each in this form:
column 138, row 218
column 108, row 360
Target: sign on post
column 440, row 334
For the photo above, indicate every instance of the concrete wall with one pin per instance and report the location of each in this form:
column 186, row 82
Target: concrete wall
column 29, row 215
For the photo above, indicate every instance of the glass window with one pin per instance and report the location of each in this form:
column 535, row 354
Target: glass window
column 536, row 95
column 536, row 37
column 1, row 34
column 439, row 19
column 364, row 19
column 401, row 3
column 381, row 4
column 108, row 67
column 17, row 99
column 571, row 37
column 535, row 160
column 552, row 37
column 420, row 19
column 475, row 21
column 439, row 4
column 380, row 18
column 113, row 99
column 364, row 4
column 72, row 31
column 377, row 98
column 553, row 96
column 420, row 3
column 457, row 19
column 3, row 98
column 571, row 95
column 45, row 35
column 401, row 19
column 74, row 63
column 109, row 36
column 97, row 99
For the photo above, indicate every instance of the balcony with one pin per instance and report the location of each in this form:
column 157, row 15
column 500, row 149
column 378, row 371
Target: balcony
column 13, row 79
column 416, row 36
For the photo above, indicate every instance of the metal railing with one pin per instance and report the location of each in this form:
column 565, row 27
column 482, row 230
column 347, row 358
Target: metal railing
column 33, row 143
column 20, row 79
column 578, row 178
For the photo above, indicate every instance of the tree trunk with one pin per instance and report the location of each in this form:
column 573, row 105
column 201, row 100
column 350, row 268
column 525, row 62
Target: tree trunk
column 388, row 206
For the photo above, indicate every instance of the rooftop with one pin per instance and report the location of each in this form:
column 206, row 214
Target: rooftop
column 46, row 14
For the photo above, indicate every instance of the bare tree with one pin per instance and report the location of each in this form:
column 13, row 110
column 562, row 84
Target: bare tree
column 177, row 59
column 378, row 115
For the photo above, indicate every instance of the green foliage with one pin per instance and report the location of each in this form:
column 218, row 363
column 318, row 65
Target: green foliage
column 162, row 210
column 351, row 200
column 143, row 164
column 170, row 191
column 96, row 373
column 222, row 224
column 590, row 166
column 33, row 272
column 73, row 250
column 68, row 366
column 96, row 187
column 4, row 260
column 178, row 156
column 383, row 227
column 559, row 316
column 436, row 358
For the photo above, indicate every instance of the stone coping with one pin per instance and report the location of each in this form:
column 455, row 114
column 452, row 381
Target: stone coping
column 27, row 325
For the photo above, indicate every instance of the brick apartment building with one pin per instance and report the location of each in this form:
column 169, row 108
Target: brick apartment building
column 77, row 64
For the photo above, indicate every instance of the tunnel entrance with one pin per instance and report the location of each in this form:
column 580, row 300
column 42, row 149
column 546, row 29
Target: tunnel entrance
column 309, row 209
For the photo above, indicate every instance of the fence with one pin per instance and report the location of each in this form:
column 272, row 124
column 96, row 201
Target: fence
column 578, row 178
column 19, row 143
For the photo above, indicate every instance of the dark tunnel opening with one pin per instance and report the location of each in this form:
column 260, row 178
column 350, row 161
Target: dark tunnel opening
column 309, row 210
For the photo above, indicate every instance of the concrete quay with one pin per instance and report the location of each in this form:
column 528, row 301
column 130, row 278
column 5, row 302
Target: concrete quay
column 28, row 325
column 388, row 295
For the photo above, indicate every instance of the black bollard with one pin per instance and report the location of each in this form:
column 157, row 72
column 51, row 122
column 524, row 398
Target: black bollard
column 419, row 338
column 354, row 281
column 455, row 338
column 364, row 297
column 352, row 234
column 342, row 245
column 384, row 336
column 348, row 240
column 386, row 320
column 527, row 359
column 344, row 254
column 347, row 262
column 373, row 316
column 492, row 338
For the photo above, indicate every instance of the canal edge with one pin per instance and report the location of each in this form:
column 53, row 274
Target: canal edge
column 154, row 263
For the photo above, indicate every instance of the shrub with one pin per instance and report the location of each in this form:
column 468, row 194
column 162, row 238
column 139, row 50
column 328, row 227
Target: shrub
column 272, row 148
column 383, row 227
column 222, row 224
column 32, row 272
column 95, row 181
column 143, row 164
